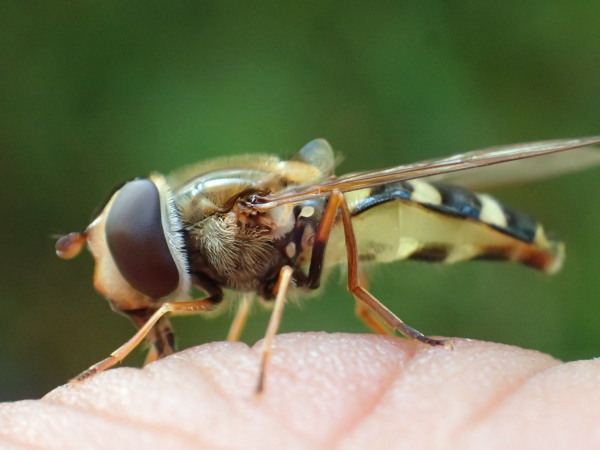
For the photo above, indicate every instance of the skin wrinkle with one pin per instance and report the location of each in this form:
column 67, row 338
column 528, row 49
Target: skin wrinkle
column 203, row 368
column 512, row 362
column 13, row 443
column 571, row 425
column 387, row 382
column 19, row 445
column 231, row 400
column 204, row 372
column 244, row 406
column 4, row 438
column 10, row 435
column 282, row 369
column 106, row 415
column 405, row 348
column 326, row 391
column 480, row 416
column 350, row 424
column 269, row 412
column 116, row 422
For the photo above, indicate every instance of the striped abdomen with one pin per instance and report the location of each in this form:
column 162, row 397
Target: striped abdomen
column 442, row 223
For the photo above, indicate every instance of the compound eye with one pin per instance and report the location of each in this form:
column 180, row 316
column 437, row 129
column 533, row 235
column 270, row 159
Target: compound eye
column 137, row 243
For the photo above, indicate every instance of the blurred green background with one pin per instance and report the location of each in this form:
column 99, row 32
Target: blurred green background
column 92, row 93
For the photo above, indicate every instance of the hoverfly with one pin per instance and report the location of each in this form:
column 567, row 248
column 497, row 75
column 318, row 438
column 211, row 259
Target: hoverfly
column 260, row 225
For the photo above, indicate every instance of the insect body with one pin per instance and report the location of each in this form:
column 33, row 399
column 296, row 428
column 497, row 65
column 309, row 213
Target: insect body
column 445, row 223
column 260, row 225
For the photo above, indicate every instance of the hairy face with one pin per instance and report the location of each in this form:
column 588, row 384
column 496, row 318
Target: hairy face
column 238, row 252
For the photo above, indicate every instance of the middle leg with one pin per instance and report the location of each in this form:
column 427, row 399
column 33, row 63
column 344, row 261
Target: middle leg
column 338, row 201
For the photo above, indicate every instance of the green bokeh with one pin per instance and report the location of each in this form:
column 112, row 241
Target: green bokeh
column 92, row 93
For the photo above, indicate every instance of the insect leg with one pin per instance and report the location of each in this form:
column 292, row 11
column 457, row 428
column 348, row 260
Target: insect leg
column 319, row 246
column 336, row 201
column 161, row 338
column 175, row 308
column 328, row 220
column 366, row 314
column 283, row 284
column 370, row 319
column 241, row 316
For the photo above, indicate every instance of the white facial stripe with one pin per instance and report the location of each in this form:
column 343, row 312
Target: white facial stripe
column 171, row 222
column 282, row 220
column 425, row 193
column 491, row 212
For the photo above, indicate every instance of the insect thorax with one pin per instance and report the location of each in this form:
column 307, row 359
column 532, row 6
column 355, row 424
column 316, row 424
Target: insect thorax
column 232, row 247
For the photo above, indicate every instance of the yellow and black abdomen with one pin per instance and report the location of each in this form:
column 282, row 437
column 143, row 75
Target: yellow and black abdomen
column 442, row 223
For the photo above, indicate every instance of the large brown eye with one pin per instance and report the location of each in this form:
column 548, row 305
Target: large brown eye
column 136, row 240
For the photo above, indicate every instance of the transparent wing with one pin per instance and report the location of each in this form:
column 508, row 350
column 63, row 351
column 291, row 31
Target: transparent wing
column 523, row 170
column 463, row 161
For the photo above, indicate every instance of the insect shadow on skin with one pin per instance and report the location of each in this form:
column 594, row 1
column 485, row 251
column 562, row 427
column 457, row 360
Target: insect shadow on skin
column 262, row 226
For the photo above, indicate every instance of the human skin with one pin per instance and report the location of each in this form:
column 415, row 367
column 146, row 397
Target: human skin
column 323, row 391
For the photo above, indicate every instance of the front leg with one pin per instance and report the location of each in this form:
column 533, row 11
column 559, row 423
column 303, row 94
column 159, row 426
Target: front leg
column 161, row 337
column 175, row 308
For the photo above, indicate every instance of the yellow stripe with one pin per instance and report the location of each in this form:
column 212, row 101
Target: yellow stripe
column 491, row 212
column 353, row 198
column 424, row 193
